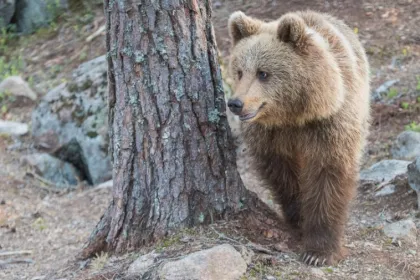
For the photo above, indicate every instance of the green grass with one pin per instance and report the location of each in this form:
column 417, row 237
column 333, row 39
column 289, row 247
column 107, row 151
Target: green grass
column 405, row 105
column 418, row 83
column 392, row 92
column 413, row 126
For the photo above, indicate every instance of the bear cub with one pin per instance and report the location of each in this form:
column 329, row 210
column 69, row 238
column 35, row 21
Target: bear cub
column 301, row 91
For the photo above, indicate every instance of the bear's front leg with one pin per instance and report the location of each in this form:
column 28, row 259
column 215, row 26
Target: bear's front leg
column 327, row 188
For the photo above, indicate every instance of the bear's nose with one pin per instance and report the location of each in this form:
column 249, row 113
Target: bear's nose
column 235, row 106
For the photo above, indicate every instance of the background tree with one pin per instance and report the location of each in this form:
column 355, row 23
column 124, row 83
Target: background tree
column 174, row 161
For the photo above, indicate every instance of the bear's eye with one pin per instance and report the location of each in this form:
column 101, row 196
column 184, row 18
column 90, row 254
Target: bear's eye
column 239, row 74
column 262, row 76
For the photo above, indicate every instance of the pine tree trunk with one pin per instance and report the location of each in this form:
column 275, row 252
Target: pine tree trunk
column 173, row 158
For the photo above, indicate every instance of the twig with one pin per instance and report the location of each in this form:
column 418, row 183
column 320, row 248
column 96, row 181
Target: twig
column 14, row 253
column 41, row 179
column 249, row 245
column 15, row 261
column 51, row 187
column 96, row 33
column 103, row 186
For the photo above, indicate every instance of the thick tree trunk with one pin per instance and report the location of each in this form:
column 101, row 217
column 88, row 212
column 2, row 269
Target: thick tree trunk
column 174, row 161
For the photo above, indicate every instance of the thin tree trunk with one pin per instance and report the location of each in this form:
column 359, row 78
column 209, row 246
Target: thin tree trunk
column 173, row 157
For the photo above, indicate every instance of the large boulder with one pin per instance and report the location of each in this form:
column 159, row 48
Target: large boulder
column 33, row 14
column 71, row 122
column 7, row 10
column 407, row 146
column 414, row 178
column 405, row 230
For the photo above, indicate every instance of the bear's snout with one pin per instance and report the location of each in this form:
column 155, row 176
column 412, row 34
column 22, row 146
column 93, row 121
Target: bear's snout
column 235, row 106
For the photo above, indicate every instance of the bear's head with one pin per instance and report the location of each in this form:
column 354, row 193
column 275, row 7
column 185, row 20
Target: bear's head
column 283, row 72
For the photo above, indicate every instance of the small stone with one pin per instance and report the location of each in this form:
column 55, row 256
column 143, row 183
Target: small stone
column 143, row 264
column 377, row 94
column 317, row 272
column 13, row 128
column 405, row 230
column 387, row 190
column 407, row 146
column 61, row 173
column 217, row 4
column 269, row 277
column 220, row 262
column 384, row 171
column 16, row 86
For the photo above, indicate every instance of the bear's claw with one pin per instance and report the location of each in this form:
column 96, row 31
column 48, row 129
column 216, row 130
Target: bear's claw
column 310, row 258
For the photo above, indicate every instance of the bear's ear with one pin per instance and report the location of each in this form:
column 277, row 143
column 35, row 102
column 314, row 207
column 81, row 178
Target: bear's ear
column 292, row 29
column 241, row 26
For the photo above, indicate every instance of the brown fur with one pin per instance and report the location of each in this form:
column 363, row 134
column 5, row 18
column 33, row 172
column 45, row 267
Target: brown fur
column 312, row 117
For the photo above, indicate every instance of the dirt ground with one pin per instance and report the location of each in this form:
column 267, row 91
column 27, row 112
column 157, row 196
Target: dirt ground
column 51, row 227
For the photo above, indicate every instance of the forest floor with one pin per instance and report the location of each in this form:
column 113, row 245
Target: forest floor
column 52, row 226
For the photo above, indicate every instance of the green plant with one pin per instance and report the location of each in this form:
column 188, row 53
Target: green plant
column 405, row 105
column 11, row 67
column 418, row 83
column 392, row 92
column 99, row 261
column 413, row 126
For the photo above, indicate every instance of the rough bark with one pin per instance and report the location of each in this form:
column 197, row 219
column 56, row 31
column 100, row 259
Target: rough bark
column 173, row 159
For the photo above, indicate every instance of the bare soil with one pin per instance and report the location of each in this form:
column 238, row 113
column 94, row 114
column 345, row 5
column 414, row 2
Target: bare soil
column 53, row 226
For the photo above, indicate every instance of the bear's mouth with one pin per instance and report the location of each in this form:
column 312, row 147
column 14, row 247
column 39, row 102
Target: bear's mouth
column 249, row 116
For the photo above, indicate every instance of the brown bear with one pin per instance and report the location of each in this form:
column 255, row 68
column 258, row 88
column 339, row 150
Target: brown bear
column 301, row 91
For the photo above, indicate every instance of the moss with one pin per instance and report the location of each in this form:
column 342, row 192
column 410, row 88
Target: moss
column 86, row 84
column 128, row 51
column 214, row 116
column 72, row 87
column 138, row 57
column 92, row 134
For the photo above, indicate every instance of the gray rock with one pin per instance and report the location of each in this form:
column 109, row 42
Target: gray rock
column 13, row 128
column 386, row 190
column 7, row 10
column 61, row 173
column 220, row 262
column 407, row 146
column 405, row 230
column 384, row 171
column 16, row 86
column 33, row 14
column 414, row 178
column 142, row 265
column 72, row 121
